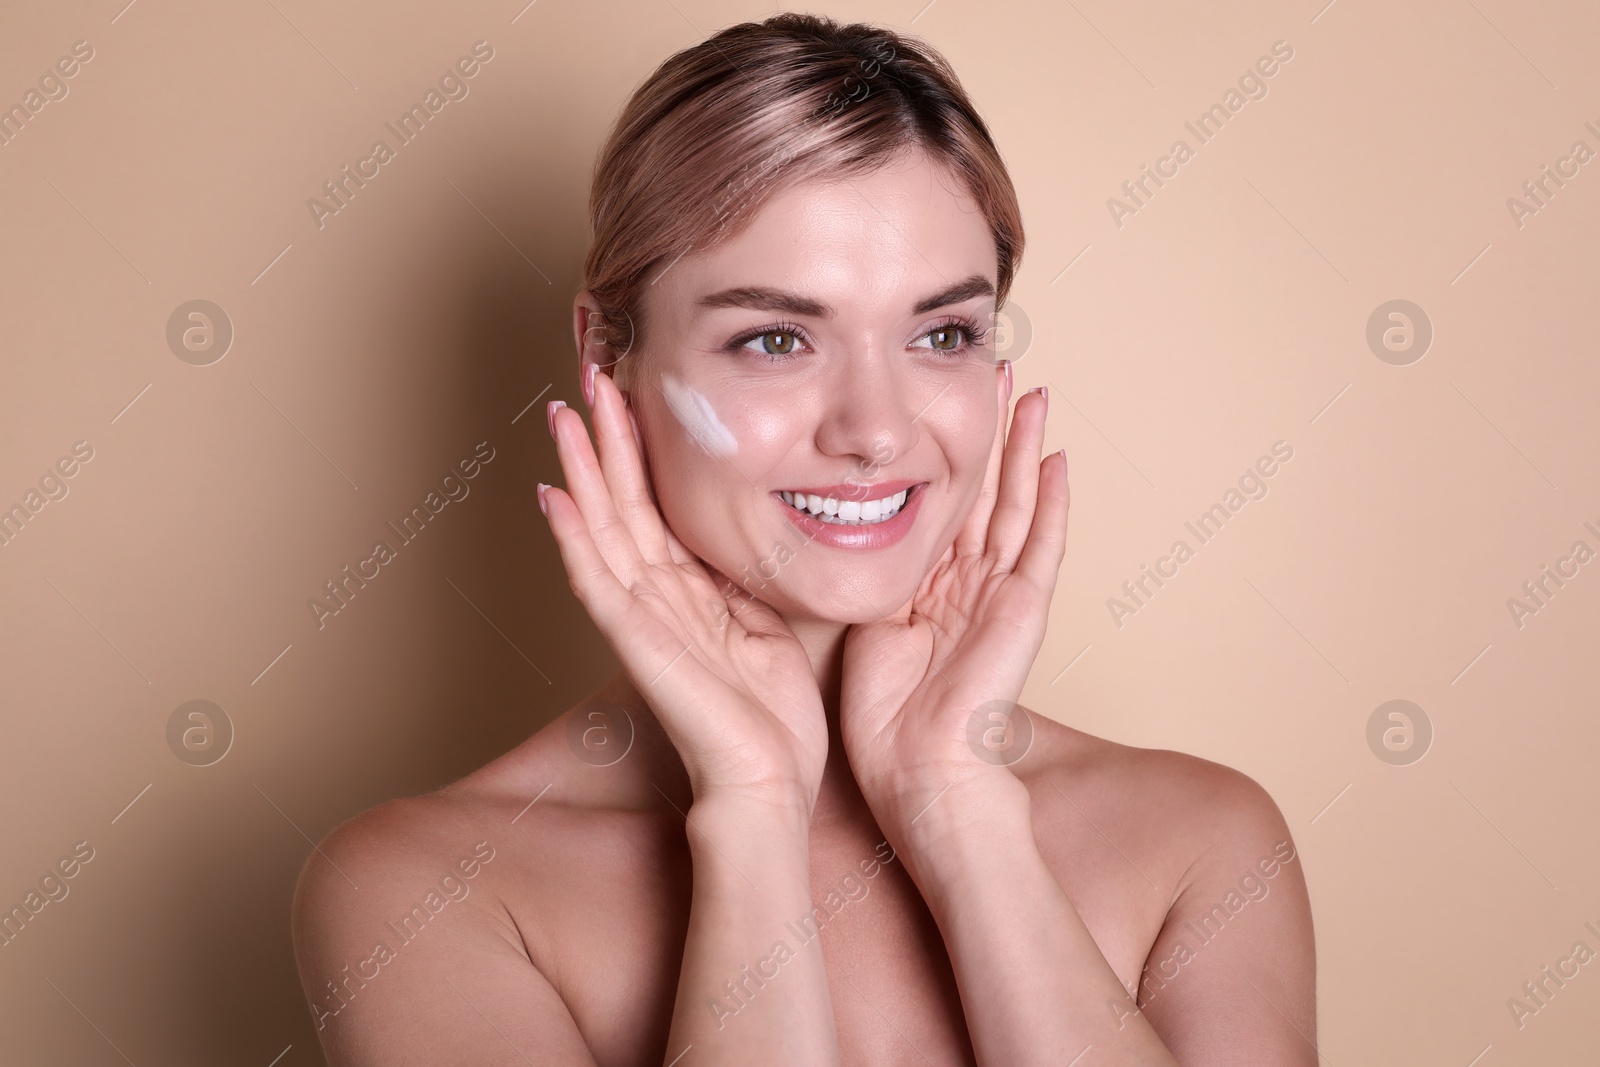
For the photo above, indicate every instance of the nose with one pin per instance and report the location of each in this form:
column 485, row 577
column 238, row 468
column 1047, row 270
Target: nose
column 868, row 414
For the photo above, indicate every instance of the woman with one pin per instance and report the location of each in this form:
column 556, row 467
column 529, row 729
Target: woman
column 807, row 822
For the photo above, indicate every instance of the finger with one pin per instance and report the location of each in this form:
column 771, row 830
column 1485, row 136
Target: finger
column 1041, row 557
column 586, row 485
column 680, row 553
column 646, row 646
column 974, row 532
column 623, row 466
column 591, row 577
column 1019, row 480
column 753, row 615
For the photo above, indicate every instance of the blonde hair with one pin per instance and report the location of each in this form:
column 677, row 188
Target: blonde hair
column 721, row 126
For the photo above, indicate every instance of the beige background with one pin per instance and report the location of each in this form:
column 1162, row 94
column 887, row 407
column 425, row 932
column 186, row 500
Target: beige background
column 372, row 354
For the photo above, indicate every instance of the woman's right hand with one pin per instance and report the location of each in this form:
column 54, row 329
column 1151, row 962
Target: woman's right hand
column 730, row 683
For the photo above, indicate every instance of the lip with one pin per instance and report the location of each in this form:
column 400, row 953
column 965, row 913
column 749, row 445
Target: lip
column 878, row 535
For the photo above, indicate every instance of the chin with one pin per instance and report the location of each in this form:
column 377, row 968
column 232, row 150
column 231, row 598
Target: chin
column 820, row 583
column 849, row 603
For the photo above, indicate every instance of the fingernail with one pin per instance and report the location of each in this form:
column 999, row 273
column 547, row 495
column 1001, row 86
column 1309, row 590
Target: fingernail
column 550, row 414
column 1010, row 384
column 543, row 507
column 588, row 383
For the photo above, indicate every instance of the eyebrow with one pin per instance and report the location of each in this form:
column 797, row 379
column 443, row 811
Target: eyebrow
column 764, row 298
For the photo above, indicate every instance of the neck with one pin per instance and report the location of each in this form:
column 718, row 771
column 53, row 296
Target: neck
column 838, row 796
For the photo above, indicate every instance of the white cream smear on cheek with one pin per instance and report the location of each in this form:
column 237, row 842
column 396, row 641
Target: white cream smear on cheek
column 697, row 415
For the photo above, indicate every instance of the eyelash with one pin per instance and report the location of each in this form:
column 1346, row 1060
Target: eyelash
column 973, row 334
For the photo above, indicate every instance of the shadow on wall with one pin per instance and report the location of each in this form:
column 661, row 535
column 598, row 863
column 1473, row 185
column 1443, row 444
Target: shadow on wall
column 464, row 644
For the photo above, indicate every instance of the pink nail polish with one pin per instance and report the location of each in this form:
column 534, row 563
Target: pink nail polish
column 543, row 507
column 550, row 414
column 588, row 383
column 1010, row 383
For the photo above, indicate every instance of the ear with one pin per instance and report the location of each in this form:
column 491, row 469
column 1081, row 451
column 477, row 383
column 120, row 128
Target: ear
column 589, row 334
column 588, row 331
column 597, row 339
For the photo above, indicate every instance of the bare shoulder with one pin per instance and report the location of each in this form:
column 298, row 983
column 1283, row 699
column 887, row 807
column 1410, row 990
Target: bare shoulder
column 421, row 916
column 1172, row 804
column 399, row 840
column 514, row 812
column 1219, row 868
column 379, row 881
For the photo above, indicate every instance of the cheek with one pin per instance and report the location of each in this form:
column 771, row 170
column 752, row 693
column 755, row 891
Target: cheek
column 716, row 434
column 698, row 416
column 705, row 453
column 967, row 429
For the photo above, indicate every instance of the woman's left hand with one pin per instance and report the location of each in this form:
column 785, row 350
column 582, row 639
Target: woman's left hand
column 926, row 695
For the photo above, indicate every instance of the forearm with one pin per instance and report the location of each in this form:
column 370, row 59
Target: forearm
column 748, row 990
column 1035, row 987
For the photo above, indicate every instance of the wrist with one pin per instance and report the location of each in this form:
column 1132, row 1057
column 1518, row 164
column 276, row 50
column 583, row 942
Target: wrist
column 965, row 829
column 767, row 809
column 930, row 804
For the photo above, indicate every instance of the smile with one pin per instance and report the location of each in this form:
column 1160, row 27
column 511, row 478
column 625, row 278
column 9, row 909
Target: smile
column 838, row 516
column 847, row 512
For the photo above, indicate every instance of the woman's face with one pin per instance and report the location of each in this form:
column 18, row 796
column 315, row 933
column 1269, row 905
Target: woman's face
column 818, row 350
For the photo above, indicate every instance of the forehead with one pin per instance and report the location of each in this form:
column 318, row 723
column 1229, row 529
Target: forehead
column 907, row 227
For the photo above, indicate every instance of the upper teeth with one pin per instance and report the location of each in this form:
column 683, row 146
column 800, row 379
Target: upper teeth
column 846, row 512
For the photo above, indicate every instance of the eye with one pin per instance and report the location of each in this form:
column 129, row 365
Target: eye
column 783, row 346
column 955, row 336
column 779, row 342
